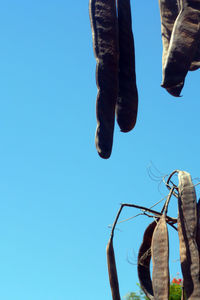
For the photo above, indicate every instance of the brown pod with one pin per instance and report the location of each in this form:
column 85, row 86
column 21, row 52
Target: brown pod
column 198, row 231
column 144, row 258
column 168, row 15
column 187, row 195
column 187, row 229
column 183, row 45
column 127, row 102
column 196, row 59
column 169, row 10
column 195, row 64
column 198, row 225
column 103, row 18
column 112, row 270
column 160, row 260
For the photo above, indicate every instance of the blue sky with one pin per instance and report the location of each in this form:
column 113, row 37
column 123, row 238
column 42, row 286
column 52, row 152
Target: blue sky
column 57, row 195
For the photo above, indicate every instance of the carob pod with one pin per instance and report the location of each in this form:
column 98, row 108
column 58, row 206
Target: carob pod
column 104, row 25
column 198, row 231
column 112, row 270
column 144, row 258
column 183, row 45
column 195, row 64
column 169, row 10
column 187, row 229
column 160, row 260
column 198, row 225
column 168, row 15
column 127, row 102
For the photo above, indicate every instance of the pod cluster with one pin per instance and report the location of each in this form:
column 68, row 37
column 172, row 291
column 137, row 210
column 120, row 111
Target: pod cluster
column 180, row 27
column 155, row 246
column 113, row 44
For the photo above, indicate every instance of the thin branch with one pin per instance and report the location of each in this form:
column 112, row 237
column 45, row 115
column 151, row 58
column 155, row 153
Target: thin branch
column 156, row 213
column 140, row 214
column 128, row 219
column 115, row 222
column 165, row 207
column 173, row 185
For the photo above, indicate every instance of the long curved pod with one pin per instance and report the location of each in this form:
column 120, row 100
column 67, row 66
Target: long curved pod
column 183, row 45
column 160, row 260
column 127, row 102
column 144, row 258
column 104, row 25
column 187, row 231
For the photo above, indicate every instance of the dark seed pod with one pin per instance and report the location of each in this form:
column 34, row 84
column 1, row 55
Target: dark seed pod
column 168, row 15
column 103, row 18
column 183, row 45
column 198, row 225
column 127, row 102
column 160, row 260
column 169, row 10
column 175, row 90
column 187, row 195
column 144, row 258
column 198, row 231
column 112, row 270
column 187, row 228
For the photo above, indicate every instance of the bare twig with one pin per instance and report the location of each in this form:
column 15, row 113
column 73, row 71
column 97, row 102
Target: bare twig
column 165, row 207
column 156, row 214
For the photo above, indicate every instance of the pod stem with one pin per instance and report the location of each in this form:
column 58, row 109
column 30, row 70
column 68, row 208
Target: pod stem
column 170, row 181
column 165, row 207
column 157, row 214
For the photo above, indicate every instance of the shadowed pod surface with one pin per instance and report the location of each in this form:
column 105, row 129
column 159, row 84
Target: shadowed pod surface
column 103, row 18
column 144, row 258
column 187, row 228
column 112, row 270
column 168, row 14
column 183, row 45
column 196, row 60
column 187, row 195
column 127, row 102
column 198, row 231
column 160, row 260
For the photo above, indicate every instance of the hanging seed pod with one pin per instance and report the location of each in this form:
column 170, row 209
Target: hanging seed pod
column 187, row 228
column 183, row 45
column 187, row 195
column 127, row 102
column 144, row 258
column 168, row 15
column 103, row 18
column 112, row 270
column 198, row 231
column 160, row 260
column 169, row 10
column 198, row 225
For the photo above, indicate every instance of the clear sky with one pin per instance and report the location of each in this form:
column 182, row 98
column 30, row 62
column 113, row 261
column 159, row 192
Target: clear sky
column 57, row 196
